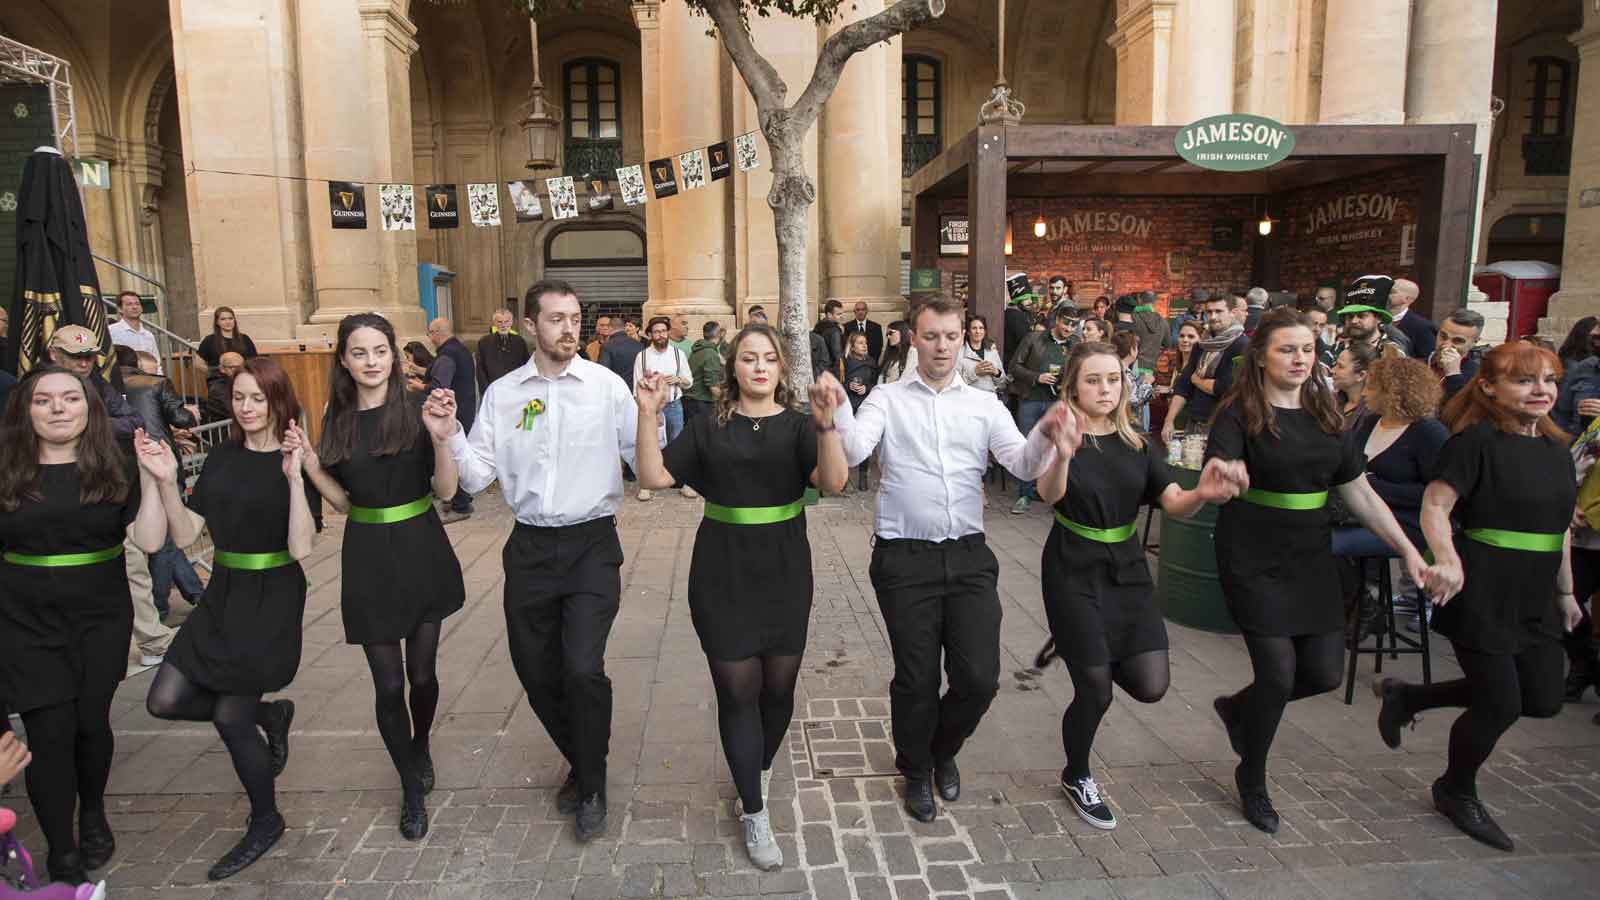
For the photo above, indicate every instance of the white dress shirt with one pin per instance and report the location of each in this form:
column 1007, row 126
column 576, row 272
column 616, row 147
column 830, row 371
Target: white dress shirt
column 934, row 451
column 563, row 470
column 144, row 339
column 670, row 362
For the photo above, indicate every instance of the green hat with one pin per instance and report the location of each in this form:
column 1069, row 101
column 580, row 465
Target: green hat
column 1356, row 308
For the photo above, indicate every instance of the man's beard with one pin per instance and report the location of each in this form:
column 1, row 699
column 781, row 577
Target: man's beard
column 1359, row 333
column 1218, row 326
column 659, row 344
column 556, row 351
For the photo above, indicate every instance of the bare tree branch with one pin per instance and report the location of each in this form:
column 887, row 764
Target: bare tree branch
column 766, row 85
column 853, row 38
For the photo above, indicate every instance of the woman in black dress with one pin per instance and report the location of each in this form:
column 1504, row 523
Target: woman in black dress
column 243, row 640
column 68, row 496
column 225, row 337
column 750, row 577
column 1502, row 587
column 1280, row 424
column 1104, row 620
column 378, row 460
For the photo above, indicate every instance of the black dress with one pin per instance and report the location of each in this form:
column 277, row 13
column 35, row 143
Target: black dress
column 212, row 347
column 1517, row 483
column 1276, row 565
column 749, row 585
column 64, row 630
column 1098, row 597
column 399, row 575
column 244, row 637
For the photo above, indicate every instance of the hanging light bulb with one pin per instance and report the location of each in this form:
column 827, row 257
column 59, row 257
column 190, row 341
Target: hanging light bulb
column 1039, row 227
column 1008, row 235
column 1265, row 225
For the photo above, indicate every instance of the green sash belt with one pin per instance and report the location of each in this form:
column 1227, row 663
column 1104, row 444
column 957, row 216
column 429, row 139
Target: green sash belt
column 1532, row 541
column 254, row 562
column 65, row 559
column 754, row 515
column 1103, row 535
column 1274, row 499
column 388, row 515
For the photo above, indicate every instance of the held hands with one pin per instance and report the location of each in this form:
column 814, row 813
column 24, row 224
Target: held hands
column 827, row 395
column 1571, row 614
column 1443, row 580
column 439, row 414
column 1222, row 480
column 296, row 444
column 293, row 462
column 14, row 757
column 155, row 458
column 651, row 394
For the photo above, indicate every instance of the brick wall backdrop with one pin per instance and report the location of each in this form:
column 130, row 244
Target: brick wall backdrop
column 1344, row 229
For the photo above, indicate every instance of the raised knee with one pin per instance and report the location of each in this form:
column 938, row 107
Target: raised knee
column 1541, row 708
column 1323, row 682
column 158, row 708
column 1149, row 693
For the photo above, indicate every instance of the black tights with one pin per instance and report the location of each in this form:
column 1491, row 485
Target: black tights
column 1496, row 689
column 72, row 746
column 237, row 718
column 755, row 701
column 1286, row 668
column 1145, row 676
column 406, row 734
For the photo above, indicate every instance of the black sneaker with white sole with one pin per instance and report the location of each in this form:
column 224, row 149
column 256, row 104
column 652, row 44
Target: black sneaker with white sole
column 1087, row 802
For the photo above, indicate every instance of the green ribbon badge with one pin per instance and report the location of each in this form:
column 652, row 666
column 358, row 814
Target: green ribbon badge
column 533, row 410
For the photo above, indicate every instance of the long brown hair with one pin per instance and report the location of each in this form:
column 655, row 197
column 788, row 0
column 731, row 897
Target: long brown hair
column 282, row 404
column 1249, row 391
column 1121, row 418
column 1472, row 405
column 400, row 419
column 730, row 381
column 102, row 466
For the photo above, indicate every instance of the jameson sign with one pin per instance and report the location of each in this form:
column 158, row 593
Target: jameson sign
column 1234, row 143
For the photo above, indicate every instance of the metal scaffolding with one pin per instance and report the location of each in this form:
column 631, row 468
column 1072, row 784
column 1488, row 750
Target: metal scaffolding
column 20, row 63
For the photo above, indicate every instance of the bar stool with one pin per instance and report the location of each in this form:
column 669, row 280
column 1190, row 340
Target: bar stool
column 1398, row 643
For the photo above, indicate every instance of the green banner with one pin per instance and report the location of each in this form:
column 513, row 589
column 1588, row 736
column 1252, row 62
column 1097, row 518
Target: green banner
column 1234, row 143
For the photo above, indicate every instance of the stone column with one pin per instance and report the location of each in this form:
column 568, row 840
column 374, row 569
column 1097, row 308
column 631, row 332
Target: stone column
column 1266, row 58
column 694, row 224
column 1143, row 41
column 1365, row 43
column 860, row 191
column 235, row 66
column 646, row 14
column 1580, row 253
column 1200, row 82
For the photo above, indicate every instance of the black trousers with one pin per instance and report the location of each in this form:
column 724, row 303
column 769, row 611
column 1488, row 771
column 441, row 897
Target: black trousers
column 693, row 408
column 563, row 587
column 1582, row 651
column 938, row 599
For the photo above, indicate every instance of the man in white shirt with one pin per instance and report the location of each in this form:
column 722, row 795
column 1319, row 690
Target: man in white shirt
column 130, row 330
column 934, row 575
column 552, row 432
column 662, row 358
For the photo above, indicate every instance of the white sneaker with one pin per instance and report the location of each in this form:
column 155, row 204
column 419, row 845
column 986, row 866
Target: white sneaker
column 690, row 492
column 147, row 659
column 645, row 494
column 763, row 848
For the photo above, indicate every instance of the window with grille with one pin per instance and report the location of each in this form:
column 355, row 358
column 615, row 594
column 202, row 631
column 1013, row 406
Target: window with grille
column 922, row 130
column 592, row 96
column 1547, row 145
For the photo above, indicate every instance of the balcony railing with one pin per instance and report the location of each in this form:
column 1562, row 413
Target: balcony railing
column 582, row 156
column 1547, row 154
column 916, row 152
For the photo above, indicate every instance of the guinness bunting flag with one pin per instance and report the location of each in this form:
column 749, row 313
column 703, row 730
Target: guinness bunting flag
column 745, row 152
column 663, row 179
column 347, row 204
column 525, row 201
column 396, row 207
column 563, row 198
column 483, row 204
column 721, row 161
column 600, row 199
column 630, row 180
column 693, row 167
column 442, row 210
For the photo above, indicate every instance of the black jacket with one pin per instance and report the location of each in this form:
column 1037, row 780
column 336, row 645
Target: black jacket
column 454, row 370
column 157, row 404
column 618, row 355
column 833, row 342
column 872, row 330
column 125, row 420
column 1420, row 331
column 499, row 354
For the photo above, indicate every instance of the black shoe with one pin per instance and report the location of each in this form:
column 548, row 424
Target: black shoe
column 1578, row 681
column 1467, row 813
column 425, row 769
column 96, row 843
column 919, row 798
column 1392, row 715
column 277, row 731
column 66, row 868
column 1230, row 721
column 568, row 798
column 1088, row 802
column 1257, row 807
column 948, row 779
column 413, row 816
column 258, row 841
column 1046, row 654
column 591, row 820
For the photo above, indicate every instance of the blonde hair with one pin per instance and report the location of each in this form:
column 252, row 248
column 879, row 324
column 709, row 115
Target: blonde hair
column 1121, row 417
column 730, row 381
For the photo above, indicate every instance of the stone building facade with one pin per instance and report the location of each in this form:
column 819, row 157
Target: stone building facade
column 221, row 118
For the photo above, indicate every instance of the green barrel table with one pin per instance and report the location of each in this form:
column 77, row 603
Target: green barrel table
column 1186, row 580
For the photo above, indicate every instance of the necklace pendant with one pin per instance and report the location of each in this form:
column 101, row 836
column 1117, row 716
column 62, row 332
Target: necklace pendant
column 755, row 425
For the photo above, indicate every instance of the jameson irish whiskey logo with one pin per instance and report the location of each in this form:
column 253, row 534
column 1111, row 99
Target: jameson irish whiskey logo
column 442, row 209
column 721, row 161
column 347, row 203
column 663, row 178
column 1234, row 143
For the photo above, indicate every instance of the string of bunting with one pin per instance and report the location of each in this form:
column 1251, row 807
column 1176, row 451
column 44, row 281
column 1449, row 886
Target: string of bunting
column 397, row 209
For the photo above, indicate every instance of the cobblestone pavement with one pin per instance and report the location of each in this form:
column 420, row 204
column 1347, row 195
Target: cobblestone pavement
column 1357, row 819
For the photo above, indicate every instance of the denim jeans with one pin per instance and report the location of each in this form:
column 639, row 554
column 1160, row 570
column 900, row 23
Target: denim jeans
column 1357, row 541
column 169, row 565
column 673, row 414
column 1028, row 415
